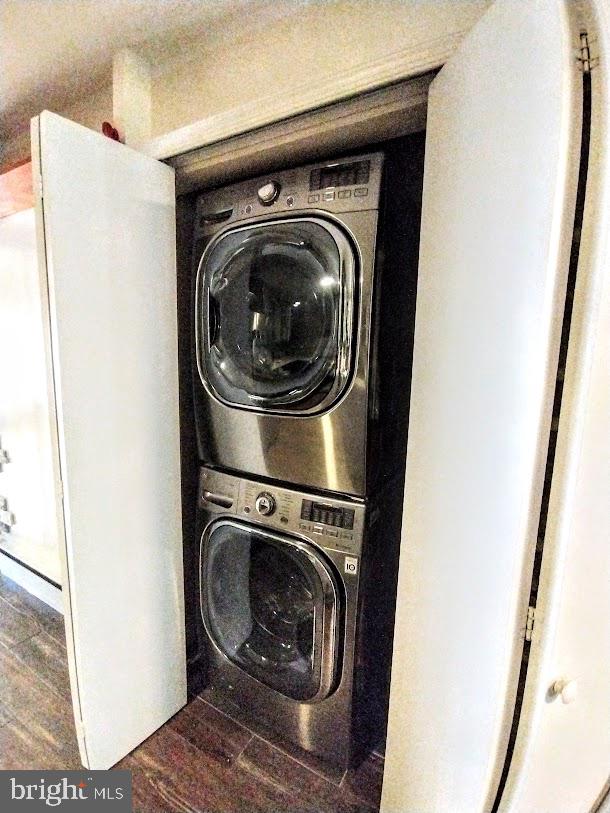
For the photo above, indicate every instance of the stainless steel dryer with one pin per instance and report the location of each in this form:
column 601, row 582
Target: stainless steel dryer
column 296, row 598
column 287, row 319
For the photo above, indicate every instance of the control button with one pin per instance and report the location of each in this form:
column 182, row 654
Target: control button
column 362, row 173
column 361, row 192
column 216, row 217
column 290, row 200
column 344, row 193
column 269, row 192
column 247, row 509
column 248, row 209
column 345, row 535
column 284, row 520
column 304, row 526
column 348, row 518
column 306, row 509
column 313, row 199
column 224, row 500
column 318, row 529
column 332, row 532
column 329, row 195
column 265, row 504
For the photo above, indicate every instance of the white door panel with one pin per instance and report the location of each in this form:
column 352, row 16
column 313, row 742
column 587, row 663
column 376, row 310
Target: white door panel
column 109, row 231
column 561, row 762
column 499, row 190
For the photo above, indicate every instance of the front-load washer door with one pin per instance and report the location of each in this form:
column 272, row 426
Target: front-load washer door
column 274, row 315
column 270, row 604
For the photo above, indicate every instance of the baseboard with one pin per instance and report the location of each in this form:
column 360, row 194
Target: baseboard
column 36, row 585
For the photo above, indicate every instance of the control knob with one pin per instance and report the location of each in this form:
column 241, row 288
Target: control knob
column 265, row 504
column 269, row 193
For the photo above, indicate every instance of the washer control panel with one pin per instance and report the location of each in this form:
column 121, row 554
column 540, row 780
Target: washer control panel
column 327, row 514
column 332, row 523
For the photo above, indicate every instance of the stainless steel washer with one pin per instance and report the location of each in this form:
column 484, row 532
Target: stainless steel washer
column 296, row 608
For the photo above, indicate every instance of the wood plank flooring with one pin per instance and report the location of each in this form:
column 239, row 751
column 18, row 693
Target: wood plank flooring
column 201, row 760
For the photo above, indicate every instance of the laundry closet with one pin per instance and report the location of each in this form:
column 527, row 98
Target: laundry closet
column 167, row 465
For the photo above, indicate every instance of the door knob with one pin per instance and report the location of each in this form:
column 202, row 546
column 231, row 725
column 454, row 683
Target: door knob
column 566, row 689
column 265, row 504
column 269, row 192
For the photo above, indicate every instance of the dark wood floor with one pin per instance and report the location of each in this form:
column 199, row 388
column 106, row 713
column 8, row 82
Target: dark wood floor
column 201, row 760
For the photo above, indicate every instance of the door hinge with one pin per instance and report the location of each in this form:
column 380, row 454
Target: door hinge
column 586, row 61
column 529, row 624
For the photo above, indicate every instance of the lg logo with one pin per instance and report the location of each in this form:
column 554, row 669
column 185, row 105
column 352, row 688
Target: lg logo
column 351, row 565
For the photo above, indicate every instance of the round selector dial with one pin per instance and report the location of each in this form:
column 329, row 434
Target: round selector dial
column 269, row 193
column 265, row 504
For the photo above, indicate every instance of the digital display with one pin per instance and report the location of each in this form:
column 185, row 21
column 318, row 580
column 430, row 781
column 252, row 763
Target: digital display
column 327, row 514
column 356, row 172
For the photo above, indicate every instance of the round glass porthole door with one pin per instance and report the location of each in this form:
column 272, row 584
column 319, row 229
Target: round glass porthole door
column 270, row 605
column 274, row 315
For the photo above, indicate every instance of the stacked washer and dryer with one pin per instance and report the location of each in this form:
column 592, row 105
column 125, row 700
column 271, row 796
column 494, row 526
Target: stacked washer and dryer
column 303, row 299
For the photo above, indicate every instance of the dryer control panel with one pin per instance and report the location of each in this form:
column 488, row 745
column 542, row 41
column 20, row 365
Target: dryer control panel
column 343, row 185
column 329, row 522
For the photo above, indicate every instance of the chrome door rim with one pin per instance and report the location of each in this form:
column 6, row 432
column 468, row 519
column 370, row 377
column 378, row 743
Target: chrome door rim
column 347, row 313
column 329, row 667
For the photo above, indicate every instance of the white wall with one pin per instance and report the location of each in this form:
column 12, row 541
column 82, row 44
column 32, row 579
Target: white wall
column 296, row 43
column 90, row 109
column 312, row 45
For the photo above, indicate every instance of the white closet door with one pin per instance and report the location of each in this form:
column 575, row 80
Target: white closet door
column 501, row 168
column 109, row 234
column 561, row 762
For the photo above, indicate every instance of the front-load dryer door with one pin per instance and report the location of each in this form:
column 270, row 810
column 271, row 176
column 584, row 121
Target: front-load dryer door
column 274, row 321
column 270, row 605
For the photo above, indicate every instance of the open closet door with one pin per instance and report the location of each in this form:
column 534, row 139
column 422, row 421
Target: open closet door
column 108, row 228
column 502, row 155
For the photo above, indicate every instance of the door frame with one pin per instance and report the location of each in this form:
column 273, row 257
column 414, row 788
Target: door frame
column 357, row 79
column 372, row 116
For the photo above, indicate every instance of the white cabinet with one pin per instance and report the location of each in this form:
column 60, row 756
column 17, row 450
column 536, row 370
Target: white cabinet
column 26, row 475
